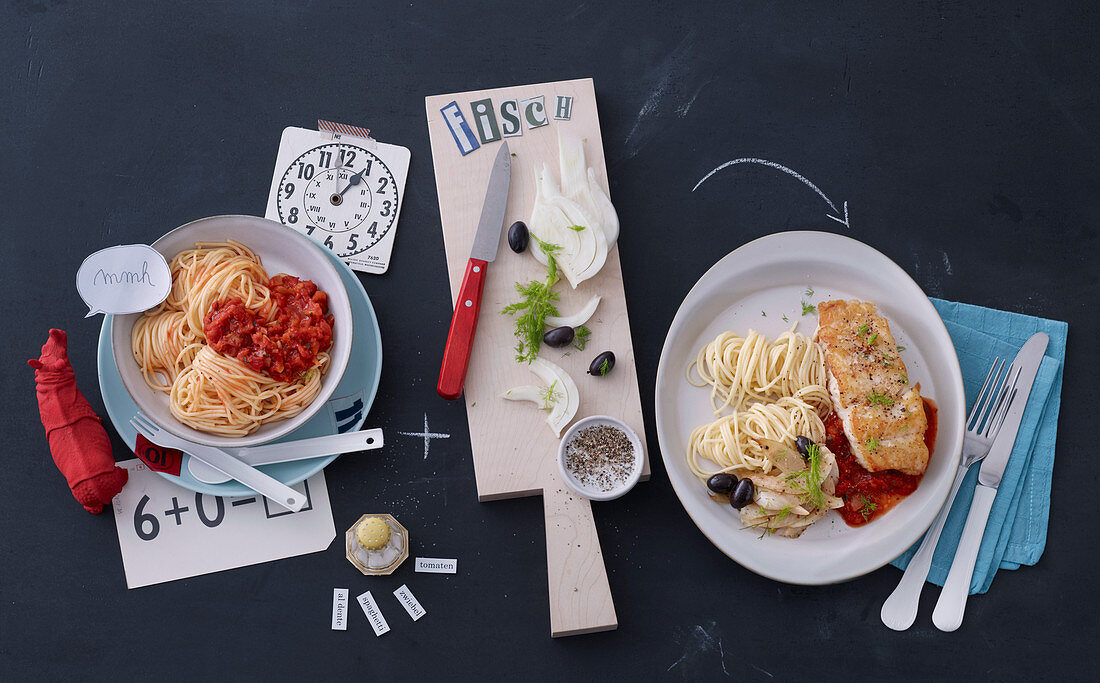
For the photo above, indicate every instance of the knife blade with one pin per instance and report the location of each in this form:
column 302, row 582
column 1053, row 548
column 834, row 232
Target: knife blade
column 1027, row 360
column 460, row 337
column 948, row 614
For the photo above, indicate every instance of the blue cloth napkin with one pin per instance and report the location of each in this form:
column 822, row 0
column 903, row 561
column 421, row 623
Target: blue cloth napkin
column 1017, row 530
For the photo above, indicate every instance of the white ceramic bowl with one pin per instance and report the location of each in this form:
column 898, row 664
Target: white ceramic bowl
column 282, row 250
column 761, row 286
column 592, row 492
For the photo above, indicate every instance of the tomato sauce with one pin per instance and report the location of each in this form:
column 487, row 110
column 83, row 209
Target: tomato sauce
column 282, row 348
column 867, row 495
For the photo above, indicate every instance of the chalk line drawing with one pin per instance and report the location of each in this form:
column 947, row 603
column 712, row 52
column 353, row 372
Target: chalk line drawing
column 780, row 167
column 427, row 435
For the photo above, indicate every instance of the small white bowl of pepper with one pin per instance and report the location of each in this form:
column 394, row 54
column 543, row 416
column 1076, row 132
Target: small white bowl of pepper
column 600, row 457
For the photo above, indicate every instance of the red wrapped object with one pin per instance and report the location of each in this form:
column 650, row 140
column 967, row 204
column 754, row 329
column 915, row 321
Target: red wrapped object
column 78, row 442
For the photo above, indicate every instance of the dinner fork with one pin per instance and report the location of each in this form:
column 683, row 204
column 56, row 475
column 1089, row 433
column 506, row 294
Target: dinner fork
column 223, row 462
column 982, row 424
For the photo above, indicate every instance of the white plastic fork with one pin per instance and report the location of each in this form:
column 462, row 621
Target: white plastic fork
column 985, row 420
column 251, row 477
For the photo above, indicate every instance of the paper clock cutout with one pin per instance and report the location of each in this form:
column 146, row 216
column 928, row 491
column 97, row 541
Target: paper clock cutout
column 343, row 191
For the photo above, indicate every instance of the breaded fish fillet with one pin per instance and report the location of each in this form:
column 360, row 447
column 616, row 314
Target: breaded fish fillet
column 883, row 416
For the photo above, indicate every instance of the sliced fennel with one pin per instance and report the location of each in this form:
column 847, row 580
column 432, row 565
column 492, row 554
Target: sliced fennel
column 527, row 392
column 578, row 182
column 577, row 319
column 609, row 219
column 559, row 398
column 579, row 202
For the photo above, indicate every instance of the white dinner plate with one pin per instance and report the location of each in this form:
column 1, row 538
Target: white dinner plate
column 755, row 287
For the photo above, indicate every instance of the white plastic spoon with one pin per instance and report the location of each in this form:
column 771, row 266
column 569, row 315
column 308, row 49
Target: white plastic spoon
column 304, row 449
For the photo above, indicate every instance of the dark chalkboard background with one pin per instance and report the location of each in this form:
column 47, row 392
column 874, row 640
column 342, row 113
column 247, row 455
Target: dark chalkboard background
column 964, row 139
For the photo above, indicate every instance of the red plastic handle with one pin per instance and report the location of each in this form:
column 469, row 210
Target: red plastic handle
column 456, row 355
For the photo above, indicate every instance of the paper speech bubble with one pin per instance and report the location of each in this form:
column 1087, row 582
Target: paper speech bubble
column 125, row 279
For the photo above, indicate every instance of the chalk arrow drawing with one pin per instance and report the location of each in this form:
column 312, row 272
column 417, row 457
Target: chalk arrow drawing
column 780, row 167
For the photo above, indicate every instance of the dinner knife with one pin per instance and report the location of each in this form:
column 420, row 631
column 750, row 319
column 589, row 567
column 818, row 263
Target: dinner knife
column 948, row 614
column 460, row 338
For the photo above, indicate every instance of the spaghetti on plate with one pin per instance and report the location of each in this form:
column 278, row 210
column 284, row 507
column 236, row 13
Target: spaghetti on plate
column 766, row 443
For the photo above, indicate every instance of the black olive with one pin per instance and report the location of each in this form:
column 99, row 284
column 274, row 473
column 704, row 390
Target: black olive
column 602, row 364
column 518, row 237
column 559, row 336
column 803, row 444
column 742, row 493
column 722, row 483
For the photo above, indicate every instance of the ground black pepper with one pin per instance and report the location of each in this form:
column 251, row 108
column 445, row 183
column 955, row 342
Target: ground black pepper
column 601, row 456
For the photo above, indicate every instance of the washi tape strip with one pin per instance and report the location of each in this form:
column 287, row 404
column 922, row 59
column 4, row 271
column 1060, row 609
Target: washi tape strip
column 343, row 129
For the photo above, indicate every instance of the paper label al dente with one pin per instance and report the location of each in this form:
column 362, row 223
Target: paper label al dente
column 339, row 609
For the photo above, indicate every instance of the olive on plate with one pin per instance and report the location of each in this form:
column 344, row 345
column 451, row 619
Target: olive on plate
column 602, row 364
column 518, row 237
column 559, row 336
column 721, row 483
column 803, row 444
column 742, row 493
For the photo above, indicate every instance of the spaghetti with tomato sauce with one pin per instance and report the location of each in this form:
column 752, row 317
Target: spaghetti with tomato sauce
column 232, row 347
column 867, row 495
column 286, row 345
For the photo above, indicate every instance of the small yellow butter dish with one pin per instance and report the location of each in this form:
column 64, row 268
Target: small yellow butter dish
column 377, row 544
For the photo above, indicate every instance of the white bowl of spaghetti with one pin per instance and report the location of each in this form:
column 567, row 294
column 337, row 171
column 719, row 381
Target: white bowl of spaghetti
column 258, row 387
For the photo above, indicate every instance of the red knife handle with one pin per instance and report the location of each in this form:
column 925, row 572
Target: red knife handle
column 456, row 355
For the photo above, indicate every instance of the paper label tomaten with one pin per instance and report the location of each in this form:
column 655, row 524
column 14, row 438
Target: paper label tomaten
column 435, row 565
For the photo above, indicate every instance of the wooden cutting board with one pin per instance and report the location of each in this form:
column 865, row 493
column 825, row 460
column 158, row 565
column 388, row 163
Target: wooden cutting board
column 514, row 450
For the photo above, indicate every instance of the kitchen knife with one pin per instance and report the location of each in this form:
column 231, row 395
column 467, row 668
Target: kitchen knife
column 460, row 339
column 948, row 614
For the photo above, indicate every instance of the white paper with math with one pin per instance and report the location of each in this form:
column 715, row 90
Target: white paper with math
column 167, row 532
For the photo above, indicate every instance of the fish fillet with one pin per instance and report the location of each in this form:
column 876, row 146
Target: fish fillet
column 883, row 415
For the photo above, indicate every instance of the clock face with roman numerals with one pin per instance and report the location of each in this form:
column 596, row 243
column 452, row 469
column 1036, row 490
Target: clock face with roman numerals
column 341, row 194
